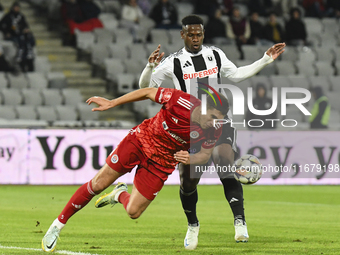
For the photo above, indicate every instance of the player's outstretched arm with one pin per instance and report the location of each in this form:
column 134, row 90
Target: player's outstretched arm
column 137, row 95
column 199, row 158
column 154, row 58
column 270, row 55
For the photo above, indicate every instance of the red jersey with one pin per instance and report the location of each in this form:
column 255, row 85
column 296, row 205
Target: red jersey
column 171, row 129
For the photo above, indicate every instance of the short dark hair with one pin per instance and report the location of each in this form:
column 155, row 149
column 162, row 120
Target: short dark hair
column 223, row 108
column 192, row 20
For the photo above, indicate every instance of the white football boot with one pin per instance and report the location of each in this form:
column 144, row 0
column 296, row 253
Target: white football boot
column 112, row 197
column 241, row 232
column 50, row 239
column 191, row 238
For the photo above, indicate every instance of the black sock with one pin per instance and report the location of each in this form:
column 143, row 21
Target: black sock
column 233, row 192
column 189, row 201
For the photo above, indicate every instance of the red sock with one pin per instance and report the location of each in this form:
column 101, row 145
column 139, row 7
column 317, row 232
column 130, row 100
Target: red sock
column 79, row 199
column 124, row 198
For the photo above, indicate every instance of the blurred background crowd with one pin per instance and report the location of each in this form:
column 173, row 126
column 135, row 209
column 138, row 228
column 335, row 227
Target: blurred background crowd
column 56, row 53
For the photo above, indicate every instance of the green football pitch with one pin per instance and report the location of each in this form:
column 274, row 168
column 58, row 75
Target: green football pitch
column 281, row 220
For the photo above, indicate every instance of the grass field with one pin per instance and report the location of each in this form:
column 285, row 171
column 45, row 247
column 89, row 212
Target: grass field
column 281, row 220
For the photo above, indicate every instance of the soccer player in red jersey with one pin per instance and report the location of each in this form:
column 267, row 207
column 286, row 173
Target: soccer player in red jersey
column 155, row 146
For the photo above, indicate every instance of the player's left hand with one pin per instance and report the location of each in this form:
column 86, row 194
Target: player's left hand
column 182, row 157
column 102, row 102
column 276, row 50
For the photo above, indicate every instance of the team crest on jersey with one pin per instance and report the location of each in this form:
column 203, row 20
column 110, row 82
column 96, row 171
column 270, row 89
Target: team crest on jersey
column 194, row 134
column 167, row 96
column 210, row 58
column 114, row 159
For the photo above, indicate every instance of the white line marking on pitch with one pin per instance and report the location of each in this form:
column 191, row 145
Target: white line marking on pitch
column 33, row 249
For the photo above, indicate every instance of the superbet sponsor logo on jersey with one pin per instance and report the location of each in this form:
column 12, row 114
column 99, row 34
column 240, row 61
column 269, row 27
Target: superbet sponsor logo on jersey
column 200, row 74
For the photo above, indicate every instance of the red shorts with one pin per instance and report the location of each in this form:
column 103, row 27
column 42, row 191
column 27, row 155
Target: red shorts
column 148, row 179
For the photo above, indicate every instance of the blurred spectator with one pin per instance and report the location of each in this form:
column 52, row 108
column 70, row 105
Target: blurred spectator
column 70, row 10
column 131, row 14
column 256, row 29
column 314, row 8
column 16, row 29
column 82, row 15
column 215, row 30
column 89, row 9
column 296, row 33
column 321, row 110
column 238, row 28
column 226, row 6
column 1, row 8
column 165, row 15
column 333, row 8
column 25, row 55
column 4, row 65
column 273, row 31
column 206, row 7
column 145, row 6
column 13, row 23
column 286, row 6
column 262, row 7
column 262, row 102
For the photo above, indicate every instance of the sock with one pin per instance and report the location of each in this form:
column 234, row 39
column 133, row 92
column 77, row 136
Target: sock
column 124, row 198
column 189, row 201
column 233, row 192
column 79, row 199
column 57, row 223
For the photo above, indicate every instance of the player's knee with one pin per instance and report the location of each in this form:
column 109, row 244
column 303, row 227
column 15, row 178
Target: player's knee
column 133, row 212
column 188, row 185
column 97, row 186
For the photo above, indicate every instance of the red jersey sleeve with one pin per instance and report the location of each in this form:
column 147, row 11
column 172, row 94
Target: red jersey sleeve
column 164, row 95
column 212, row 138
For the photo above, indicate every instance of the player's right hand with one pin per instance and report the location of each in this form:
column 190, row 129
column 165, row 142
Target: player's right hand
column 102, row 102
column 155, row 57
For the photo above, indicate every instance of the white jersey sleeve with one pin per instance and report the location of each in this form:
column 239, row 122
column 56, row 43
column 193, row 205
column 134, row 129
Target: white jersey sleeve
column 237, row 74
column 163, row 71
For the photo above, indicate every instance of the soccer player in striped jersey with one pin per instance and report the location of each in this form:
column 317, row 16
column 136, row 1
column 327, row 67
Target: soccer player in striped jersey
column 201, row 63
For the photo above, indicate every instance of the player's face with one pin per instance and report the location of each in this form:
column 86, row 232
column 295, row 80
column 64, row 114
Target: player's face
column 207, row 121
column 193, row 36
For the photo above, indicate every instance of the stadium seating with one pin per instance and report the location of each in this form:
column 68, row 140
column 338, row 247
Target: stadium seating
column 47, row 113
column 32, row 97
column 285, row 67
column 125, row 83
column 11, row 97
column 17, row 81
column 37, row 80
column 7, row 112
column 3, row 80
column 51, row 97
column 118, row 51
column 26, row 112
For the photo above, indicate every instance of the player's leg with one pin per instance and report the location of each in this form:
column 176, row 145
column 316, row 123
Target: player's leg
column 134, row 204
column 224, row 155
column 104, row 178
column 189, row 197
column 118, row 163
column 145, row 189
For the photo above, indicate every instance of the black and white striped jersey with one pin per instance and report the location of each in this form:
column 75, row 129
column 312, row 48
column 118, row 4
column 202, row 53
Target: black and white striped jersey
column 182, row 67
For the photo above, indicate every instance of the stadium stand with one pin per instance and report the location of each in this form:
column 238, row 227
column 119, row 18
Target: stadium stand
column 116, row 62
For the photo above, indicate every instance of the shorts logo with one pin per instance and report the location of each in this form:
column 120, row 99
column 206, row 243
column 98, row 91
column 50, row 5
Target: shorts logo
column 114, row 159
column 194, row 134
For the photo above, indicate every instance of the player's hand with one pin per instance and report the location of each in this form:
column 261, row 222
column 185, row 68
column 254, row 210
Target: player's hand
column 155, row 57
column 182, row 157
column 276, row 50
column 102, row 102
